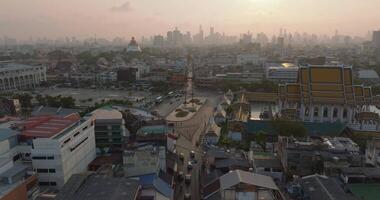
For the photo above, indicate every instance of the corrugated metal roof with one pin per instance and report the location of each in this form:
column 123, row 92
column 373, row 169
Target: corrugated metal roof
column 238, row 176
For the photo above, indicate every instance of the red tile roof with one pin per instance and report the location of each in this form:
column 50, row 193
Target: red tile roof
column 47, row 126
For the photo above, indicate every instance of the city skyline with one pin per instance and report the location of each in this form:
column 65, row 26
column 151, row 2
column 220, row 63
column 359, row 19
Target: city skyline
column 120, row 18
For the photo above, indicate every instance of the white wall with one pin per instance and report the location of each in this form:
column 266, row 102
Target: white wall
column 67, row 160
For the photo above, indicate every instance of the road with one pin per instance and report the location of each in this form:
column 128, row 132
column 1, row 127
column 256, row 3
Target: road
column 190, row 134
column 185, row 147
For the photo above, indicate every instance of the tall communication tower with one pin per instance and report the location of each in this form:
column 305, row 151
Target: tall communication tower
column 189, row 78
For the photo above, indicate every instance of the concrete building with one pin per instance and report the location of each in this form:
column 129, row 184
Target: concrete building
column 153, row 133
column 368, row 75
column 18, row 76
column 18, row 184
column 316, row 187
column 9, row 106
column 96, row 187
column 319, row 155
column 61, row 146
column 372, row 152
column 281, row 72
column 240, row 184
column 110, row 130
column 237, row 76
column 212, row 133
column 253, row 59
column 18, row 181
column 268, row 165
column 376, row 39
column 144, row 161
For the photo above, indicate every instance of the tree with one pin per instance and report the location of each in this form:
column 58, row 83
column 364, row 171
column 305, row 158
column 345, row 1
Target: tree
column 261, row 139
column 25, row 100
column 41, row 100
column 289, row 128
column 67, row 102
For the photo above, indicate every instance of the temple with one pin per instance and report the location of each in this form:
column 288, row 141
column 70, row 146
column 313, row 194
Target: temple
column 133, row 46
column 326, row 93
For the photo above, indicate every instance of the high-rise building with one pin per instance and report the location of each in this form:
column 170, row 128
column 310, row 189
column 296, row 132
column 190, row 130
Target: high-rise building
column 109, row 128
column 376, row 39
column 177, row 37
column 62, row 146
column 158, row 41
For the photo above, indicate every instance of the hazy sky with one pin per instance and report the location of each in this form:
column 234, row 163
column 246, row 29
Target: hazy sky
column 110, row 18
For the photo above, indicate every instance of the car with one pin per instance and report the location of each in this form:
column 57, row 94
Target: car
column 180, row 175
column 189, row 165
column 188, row 178
column 194, row 161
column 187, row 196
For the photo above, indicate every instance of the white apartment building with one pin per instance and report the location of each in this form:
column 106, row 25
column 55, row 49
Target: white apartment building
column 253, row 59
column 18, row 76
column 284, row 72
column 62, row 146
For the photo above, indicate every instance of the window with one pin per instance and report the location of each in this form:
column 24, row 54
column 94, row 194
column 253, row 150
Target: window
column 66, row 141
column 276, row 170
column 325, row 112
column 47, row 183
column 307, row 111
column 43, row 183
column 77, row 133
column 335, row 113
column 38, row 158
column 76, row 146
column 267, row 169
column 42, row 170
column 345, row 113
column 45, row 170
column 316, row 112
column 84, row 128
column 50, row 157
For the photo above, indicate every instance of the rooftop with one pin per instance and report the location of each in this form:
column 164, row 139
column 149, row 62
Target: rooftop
column 96, row 187
column 368, row 74
column 107, row 113
column 365, row 191
column 321, row 187
column 14, row 66
column 156, row 129
column 47, row 126
column 313, row 128
column 238, row 176
column 6, row 131
column 46, row 110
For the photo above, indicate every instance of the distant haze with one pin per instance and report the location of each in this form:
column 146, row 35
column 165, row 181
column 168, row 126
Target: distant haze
column 125, row 18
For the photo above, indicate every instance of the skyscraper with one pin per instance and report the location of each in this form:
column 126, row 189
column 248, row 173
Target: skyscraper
column 376, row 39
